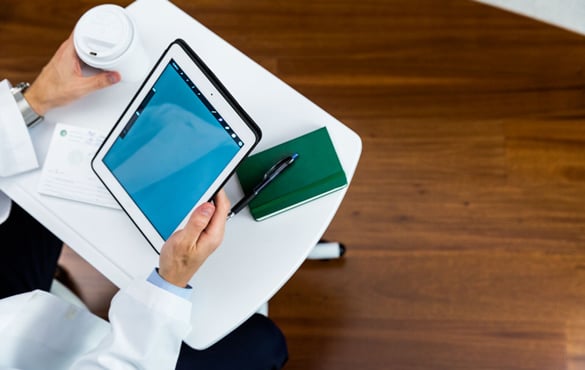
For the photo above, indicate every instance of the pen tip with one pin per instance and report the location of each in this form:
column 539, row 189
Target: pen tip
column 295, row 156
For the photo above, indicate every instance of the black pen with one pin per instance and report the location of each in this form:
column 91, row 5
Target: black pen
column 270, row 175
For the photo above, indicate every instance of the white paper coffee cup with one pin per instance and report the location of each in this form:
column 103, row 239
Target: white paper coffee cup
column 105, row 38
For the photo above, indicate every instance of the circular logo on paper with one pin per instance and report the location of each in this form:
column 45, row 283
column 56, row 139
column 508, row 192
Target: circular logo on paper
column 63, row 132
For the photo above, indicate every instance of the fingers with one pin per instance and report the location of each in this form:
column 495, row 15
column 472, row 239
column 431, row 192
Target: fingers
column 86, row 85
column 98, row 81
column 198, row 221
column 61, row 81
column 213, row 233
column 68, row 46
column 222, row 205
column 207, row 229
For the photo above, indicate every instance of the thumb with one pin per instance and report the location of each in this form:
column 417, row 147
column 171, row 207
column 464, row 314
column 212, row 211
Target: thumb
column 199, row 220
column 100, row 81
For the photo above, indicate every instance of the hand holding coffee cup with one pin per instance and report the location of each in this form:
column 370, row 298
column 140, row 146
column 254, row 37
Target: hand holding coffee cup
column 105, row 37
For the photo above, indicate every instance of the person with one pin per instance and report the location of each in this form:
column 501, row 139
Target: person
column 149, row 318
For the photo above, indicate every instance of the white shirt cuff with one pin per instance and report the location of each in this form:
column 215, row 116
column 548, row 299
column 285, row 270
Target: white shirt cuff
column 157, row 280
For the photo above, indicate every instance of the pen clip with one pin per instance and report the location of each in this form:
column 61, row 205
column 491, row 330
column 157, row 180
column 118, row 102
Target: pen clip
column 270, row 175
column 276, row 166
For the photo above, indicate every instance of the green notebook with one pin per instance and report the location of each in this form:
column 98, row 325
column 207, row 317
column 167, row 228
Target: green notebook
column 316, row 172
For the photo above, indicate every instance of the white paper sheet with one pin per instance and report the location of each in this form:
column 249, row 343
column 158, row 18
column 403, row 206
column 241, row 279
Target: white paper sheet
column 67, row 169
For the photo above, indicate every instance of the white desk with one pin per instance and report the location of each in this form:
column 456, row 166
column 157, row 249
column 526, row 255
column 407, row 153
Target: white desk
column 256, row 258
column 567, row 14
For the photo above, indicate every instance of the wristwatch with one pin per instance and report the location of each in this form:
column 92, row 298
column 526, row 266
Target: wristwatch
column 31, row 117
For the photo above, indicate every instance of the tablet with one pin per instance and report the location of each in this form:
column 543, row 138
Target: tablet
column 178, row 141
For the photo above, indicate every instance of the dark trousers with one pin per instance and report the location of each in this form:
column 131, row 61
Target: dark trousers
column 29, row 254
column 29, row 260
column 257, row 344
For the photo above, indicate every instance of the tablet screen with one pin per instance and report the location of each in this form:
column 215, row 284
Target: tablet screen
column 165, row 180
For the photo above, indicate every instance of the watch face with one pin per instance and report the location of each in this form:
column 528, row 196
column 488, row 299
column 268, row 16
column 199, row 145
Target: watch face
column 22, row 86
column 19, row 87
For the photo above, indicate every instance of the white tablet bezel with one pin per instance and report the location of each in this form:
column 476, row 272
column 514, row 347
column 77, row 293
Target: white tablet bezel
column 217, row 96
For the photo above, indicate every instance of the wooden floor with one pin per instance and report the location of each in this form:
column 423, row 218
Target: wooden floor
column 465, row 221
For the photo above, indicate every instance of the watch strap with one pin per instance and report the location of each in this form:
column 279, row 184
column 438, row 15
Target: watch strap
column 29, row 115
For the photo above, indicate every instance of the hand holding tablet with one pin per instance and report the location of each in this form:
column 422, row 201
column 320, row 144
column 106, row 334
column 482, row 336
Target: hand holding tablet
column 176, row 144
column 187, row 249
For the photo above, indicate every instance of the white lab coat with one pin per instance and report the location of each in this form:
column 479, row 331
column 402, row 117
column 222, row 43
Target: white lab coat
column 42, row 332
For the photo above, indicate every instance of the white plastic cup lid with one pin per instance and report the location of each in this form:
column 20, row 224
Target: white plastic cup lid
column 102, row 35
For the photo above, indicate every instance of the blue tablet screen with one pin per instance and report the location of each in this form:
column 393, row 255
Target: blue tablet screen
column 171, row 150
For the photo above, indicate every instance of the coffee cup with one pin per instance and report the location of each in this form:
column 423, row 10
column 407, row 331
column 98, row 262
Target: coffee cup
column 105, row 38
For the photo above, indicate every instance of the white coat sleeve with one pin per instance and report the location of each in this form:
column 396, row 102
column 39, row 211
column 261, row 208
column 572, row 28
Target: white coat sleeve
column 17, row 153
column 148, row 325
